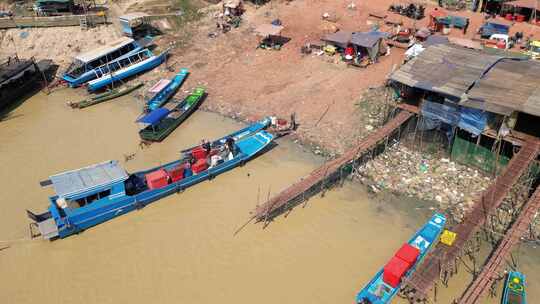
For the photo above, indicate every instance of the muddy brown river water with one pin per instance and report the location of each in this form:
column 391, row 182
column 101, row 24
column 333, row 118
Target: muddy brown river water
column 182, row 249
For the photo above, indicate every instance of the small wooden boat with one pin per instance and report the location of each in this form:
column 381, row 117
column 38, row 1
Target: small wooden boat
column 125, row 67
column 92, row 195
column 167, row 91
column 514, row 289
column 162, row 121
column 111, row 94
column 387, row 282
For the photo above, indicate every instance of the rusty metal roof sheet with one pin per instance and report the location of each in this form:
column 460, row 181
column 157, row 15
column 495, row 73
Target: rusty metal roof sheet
column 511, row 85
column 445, row 69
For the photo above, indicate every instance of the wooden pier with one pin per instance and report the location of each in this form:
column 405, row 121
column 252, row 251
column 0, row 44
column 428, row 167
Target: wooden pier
column 443, row 258
column 332, row 170
column 55, row 21
column 489, row 272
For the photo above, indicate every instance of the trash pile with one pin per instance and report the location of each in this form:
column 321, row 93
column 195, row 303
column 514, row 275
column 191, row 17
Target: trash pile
column 372, row 107
column 413, row 11
column 425, row 176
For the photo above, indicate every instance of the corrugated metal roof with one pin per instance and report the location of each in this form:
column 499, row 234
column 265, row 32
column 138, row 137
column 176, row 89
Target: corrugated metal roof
column 367, row 39
column 445, row 69
column 509, row 85
column 342, row 38
column 133, row 16
column 524, row 3
column 104, row 50
column 269, row 30
column 72, row 183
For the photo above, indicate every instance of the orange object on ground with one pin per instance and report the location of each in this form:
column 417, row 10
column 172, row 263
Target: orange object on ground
column 199, row 166
column 157, row 179
column 176, row 173
column 520, row 18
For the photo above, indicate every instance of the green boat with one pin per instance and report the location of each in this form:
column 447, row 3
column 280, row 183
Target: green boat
column 111, row 94
column 162, row 121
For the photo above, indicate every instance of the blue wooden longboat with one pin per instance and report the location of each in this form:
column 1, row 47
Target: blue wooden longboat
column 168, row 91
column 379, row 292
column 122, row 68
column 95, row 194
column 83, row 67
column 514, row 289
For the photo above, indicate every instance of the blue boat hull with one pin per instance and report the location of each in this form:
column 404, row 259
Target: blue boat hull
column 168, row 91
column 90, row 75
column 249, row 147
column 514, row 289
column 146, row 65
column 377, row 291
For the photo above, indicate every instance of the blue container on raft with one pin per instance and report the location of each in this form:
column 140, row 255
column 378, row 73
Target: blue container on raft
column 377, row 291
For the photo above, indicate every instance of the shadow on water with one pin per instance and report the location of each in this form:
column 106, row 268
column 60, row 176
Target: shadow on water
column 31, row 90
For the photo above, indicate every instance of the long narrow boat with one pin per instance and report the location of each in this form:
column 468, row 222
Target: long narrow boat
column 242, row 133
column 111, row 94
column 122, row 68
column 83, row 66
column 162, row 121
column 95, row 194
column 386, row 283
column 167, row 91
column 514, row 289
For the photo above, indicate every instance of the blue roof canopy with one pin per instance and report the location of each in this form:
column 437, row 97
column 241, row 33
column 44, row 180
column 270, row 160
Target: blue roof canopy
column 154, row 117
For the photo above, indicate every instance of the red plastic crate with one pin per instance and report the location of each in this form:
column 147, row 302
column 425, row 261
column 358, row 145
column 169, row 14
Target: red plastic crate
column 199, row 166
column 157, row 179
column 408, row 253
column 394, row 271
column 176, row 173
column 198, row 153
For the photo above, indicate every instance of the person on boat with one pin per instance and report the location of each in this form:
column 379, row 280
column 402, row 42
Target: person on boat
column 229, row 142
column 206, row 146
column 187, row 169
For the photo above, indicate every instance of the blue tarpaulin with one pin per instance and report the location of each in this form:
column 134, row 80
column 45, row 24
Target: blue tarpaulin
column 446, row 112
column 491, row 28
column 154, row 117
column 471, row 120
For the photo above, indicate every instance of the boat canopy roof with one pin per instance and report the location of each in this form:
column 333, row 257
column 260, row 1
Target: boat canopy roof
column 104, row 50
column 72, row 183
column 133, row 16
column 154, row 117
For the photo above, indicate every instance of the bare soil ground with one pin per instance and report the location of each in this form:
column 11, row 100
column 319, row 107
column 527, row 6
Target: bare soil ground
column 246, row 83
